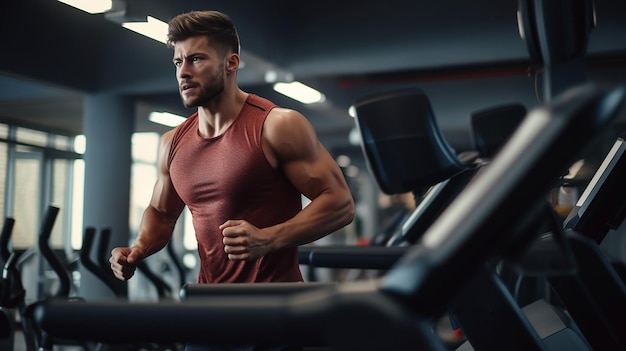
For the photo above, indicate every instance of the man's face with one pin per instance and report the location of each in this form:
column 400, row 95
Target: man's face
column 199, row 71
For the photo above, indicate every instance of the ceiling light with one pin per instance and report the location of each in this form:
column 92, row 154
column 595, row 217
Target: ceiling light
column 166, row 118
column 300, row 92
column 153, row 28
column 90, row 6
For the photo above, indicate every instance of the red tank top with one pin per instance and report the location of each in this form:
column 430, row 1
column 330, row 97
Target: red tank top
column 228, row 177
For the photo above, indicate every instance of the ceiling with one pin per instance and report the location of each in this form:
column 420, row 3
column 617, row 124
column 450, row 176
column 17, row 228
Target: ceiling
column 466, row 56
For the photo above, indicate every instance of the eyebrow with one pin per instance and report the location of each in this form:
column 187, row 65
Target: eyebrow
column 190, row 55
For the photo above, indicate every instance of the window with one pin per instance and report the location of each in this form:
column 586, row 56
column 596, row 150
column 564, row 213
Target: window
column 37, row 169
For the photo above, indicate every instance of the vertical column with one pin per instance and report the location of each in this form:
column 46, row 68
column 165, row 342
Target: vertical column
column 108, row 126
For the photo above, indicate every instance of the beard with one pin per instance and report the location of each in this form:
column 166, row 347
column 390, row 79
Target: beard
column 207, row 92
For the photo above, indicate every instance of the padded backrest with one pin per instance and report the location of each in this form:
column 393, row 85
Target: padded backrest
column 402, row 143
column 490, row 128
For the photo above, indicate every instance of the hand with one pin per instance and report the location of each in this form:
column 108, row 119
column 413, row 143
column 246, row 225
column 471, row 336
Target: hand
column 243, row 241
column 124, row 261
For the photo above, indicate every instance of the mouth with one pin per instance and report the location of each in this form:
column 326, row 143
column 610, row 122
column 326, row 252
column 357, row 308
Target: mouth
column 185, row 88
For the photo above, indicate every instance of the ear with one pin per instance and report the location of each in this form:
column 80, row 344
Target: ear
column 232, row 63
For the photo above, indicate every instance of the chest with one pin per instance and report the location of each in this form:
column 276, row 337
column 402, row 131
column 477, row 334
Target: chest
column 204, row 170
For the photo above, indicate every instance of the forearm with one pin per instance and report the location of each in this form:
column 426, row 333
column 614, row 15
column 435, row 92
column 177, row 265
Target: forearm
column 155, row 231
column 325, row 214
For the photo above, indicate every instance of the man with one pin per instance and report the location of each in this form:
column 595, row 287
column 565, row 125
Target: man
column 240, row 164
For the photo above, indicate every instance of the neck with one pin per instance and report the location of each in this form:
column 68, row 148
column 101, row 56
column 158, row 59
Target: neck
column 214, row 119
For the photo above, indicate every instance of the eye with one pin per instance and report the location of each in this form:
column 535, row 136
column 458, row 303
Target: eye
column 178, row 63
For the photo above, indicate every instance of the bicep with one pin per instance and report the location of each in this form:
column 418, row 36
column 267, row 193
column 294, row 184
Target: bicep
column 315, row 175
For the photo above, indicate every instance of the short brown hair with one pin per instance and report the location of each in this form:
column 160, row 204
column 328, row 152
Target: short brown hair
column 217, row 26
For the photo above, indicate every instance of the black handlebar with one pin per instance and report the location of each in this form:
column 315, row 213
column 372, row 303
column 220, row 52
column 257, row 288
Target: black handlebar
column 48, row 254
column 110, row 281
column 7, row 230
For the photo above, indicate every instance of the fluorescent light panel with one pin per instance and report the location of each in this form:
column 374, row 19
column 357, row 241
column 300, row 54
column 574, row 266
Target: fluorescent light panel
column 166, row 118
column 152, row 28
column 90, row 6
column 300, row 92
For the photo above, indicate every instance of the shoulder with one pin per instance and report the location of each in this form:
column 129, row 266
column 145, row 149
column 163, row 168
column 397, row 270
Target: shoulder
column 259, row 102
column 167, row 137
column 283, row 120
column 289, row 132
column 165, row 145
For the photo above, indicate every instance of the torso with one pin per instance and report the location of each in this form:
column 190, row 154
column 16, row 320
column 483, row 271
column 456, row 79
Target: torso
column 229, row 177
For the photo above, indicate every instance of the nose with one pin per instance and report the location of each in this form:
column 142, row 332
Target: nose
column 183, row 70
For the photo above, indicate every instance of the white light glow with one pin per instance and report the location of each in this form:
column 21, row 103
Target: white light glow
column 343, row 161
column 166, row 118
column 80, row 144
column 354, row 137
column 270, row 76
column 352, row 111
column 352, row 171
column 153, row 28
column 300, row 92
column 90, row 6
column 574, row 169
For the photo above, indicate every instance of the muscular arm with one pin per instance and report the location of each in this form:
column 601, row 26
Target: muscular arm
column 313, row 171
column 290, row 143
column 165, row 207
column 157, row 223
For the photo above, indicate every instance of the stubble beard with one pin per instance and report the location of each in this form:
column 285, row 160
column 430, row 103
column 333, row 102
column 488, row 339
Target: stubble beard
column 207, row 93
